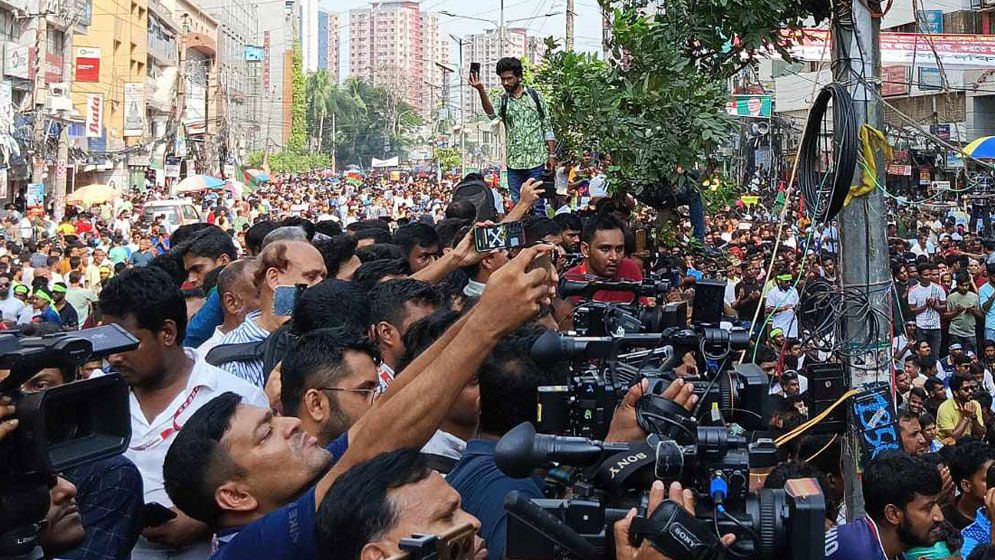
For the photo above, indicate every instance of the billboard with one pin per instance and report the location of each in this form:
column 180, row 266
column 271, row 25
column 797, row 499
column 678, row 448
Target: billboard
column 88, row 64
column 894, row 80
column 53, row 68
column 134, row 109
column 253, row 53
column 750, row 106
column 18, row 61
column 909, row 49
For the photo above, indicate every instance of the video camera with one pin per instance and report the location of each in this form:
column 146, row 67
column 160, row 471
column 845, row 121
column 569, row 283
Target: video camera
column 784, row 523
column 597, row 318
column 59, row 428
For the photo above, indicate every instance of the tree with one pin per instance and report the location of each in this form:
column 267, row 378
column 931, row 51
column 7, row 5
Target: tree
column 320, row 100
column 368, row 119
column 297, row 143
column 447, row 158
column 657, row 104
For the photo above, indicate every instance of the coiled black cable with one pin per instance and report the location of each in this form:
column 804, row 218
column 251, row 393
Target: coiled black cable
column 825, row 192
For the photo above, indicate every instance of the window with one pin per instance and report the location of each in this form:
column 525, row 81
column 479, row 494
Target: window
column 56, row 42
column 8, row 26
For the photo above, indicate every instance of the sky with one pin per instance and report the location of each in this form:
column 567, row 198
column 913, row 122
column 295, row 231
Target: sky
column 587, row 21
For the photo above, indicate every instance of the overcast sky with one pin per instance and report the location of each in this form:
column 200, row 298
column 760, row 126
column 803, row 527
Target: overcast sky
column 587, row 22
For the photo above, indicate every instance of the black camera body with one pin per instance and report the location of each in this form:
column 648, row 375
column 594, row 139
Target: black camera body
column 59, row 428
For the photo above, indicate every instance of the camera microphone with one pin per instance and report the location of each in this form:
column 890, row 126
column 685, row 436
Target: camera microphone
column 522, row 450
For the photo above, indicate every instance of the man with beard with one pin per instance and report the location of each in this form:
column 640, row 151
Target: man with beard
column 10, row 306
column 969, row 463
column 901, row 496
column 781, row 303
column 530, row 139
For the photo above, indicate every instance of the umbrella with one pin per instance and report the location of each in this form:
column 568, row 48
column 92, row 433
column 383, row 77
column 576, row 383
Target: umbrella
column 257, row 176
column 197, row 183
column 93, row 194
column 982, row 148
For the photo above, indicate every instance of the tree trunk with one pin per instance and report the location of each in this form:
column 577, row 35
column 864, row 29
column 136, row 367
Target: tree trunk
column 321, row 129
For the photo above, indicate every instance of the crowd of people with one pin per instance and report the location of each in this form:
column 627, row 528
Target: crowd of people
column 325, row 365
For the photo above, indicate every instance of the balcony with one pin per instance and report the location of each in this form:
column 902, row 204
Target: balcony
column 163, row 14
column 161, row 44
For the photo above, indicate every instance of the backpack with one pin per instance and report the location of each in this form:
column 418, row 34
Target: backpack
column 535, row 98
column 270, row 350
column 477, row 192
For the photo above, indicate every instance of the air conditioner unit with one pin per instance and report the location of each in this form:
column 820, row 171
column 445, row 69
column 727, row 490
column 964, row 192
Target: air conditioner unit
column 59, row 97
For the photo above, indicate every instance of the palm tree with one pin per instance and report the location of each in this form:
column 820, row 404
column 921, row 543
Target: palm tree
column 321, row 92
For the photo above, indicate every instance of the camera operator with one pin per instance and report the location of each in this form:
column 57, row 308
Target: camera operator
column 602, row 242
column 108, row 492
column 394, row 306
column 251, row 475
column 392, row 496
column 901, row 494
column 329, row 380
column 168, row 384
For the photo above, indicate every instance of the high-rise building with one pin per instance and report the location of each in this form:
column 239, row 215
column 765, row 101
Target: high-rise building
column 486, row 49
column 396, row 46
column 309, row 32
column 328, row 43
column 278, row 24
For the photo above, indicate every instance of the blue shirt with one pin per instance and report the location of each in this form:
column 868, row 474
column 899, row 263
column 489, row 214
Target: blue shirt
column 482, row 487
column 201, row 326
column 976, row 533
column 285, row 534
column 855, row 540
column 984, row 292
column 110, row 498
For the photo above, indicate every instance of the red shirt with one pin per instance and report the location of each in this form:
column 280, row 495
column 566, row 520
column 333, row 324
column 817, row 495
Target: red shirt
column 627, row 270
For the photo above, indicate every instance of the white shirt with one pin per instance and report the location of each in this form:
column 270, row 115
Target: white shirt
column 147, row 449
column 11, row 307
column 918, row 294
column 785, row 320
column 445, row 445
column 210, row 343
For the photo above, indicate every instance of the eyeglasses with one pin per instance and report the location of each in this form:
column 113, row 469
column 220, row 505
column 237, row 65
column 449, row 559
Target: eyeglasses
column 371, row 392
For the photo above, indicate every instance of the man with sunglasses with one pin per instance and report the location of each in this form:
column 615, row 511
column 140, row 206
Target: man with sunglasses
column 328, row 380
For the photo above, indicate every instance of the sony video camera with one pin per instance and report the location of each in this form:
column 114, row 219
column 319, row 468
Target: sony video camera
column 59, row 428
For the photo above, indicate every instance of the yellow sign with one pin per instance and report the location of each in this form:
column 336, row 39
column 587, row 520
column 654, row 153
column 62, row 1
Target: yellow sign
column 749, row 200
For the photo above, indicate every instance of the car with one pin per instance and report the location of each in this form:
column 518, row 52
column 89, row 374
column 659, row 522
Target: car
column 175, row 213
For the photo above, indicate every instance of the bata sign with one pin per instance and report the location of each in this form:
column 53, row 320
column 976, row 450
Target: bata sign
column 907, row 49
column 94, row 115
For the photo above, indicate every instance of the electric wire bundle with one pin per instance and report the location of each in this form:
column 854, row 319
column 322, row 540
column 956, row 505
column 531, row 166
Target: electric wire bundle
column 824, row 198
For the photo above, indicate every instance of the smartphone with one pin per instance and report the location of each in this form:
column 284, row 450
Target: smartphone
column 549, row 185
column 285, row 298
column 640, row 240
column 499, row 236
column 155, row 514
column 475, row 69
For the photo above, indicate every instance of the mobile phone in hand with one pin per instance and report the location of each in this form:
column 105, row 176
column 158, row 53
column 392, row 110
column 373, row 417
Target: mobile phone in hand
column 475, row 69
column 155, row 514
column 508, row 235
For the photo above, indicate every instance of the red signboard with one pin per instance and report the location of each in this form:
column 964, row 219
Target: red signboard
column 894, row 80
column 266, row 60
column 53, row 68
column 87, row 64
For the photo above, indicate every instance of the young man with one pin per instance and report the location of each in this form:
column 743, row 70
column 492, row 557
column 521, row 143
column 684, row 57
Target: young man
column 926, row 300
column 420, row 244
column 394, row 306
column 10, row 306
column 208, row 249
column 963, row 311
column 969, row 463
column 168, row 385
column 960, row 415
column 781, row 303
column 70, row 319
column 82, row 299
column 901, row 498
column 238, row 296
column 530, row 139
column 603, row 246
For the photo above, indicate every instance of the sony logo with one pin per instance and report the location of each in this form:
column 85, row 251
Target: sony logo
column 682, row 535
column 625, row 462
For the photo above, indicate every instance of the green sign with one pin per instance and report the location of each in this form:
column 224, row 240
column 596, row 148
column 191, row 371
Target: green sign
column 749, row 106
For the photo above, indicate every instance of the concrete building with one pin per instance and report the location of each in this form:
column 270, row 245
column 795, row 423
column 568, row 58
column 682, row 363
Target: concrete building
column 199, row 87
column 396, row 46
column 329, row 36
column 277, row 23
column 309, row 32
column 238, row 80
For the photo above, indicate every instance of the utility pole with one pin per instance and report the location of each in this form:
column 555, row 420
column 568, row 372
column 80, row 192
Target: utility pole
column 333, row 142
column 501, row 33
column 61, row 162
column 570, row 25
column 462, row 106
column 41, row 43
column 863, row 239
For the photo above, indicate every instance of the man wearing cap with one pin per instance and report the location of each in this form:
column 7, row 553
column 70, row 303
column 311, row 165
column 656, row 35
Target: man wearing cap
column 781, row 303
column 68, row 314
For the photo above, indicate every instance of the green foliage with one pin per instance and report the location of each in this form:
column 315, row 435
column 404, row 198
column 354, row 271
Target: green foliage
column 295, row 162
column 297, row 142
column 367, row 119
column 657, row 104
column 447, row 158
column 255, row 159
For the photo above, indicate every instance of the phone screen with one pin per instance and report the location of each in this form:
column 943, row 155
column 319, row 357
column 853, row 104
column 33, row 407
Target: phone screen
column 475, row 68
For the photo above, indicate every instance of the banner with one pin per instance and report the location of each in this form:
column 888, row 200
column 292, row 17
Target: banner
column 894, row 80
column 6, row 109
column 930, row 78
column 253, row 53
column 17, row 61
column 53, row 68
column 35, row 195
column 900, row 170
column 134, row 109
column 87, row 64
column 954, row 50
column 266, row 62
column 94, row 115
column 750, row 106
column 171, row 167
column 931, row 21
column 392, row 162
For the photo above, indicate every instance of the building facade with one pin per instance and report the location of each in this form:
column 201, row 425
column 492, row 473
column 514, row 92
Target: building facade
column 486, row 49
column 396, row 46
column 278, row 23
column 328, row 44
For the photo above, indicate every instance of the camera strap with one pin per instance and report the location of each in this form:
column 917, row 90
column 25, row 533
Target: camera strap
column 613, row 473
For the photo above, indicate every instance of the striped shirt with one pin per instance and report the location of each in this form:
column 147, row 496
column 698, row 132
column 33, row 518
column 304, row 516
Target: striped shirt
column 248, row 331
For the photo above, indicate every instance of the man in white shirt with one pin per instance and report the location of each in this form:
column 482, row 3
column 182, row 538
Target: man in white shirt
column 10, row 306
column 238, row 295
column 168, row 384
column 781, row 303
column 926, row 299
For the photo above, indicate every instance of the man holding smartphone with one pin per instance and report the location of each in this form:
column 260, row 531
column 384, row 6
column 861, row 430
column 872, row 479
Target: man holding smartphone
column 531, row 144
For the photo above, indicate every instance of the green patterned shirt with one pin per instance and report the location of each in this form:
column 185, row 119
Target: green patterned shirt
column 526, row 134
